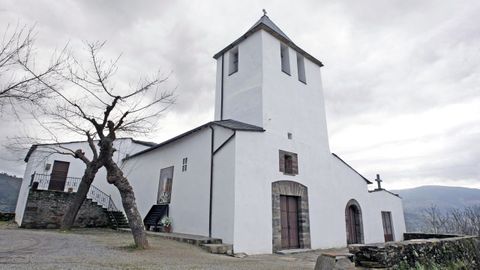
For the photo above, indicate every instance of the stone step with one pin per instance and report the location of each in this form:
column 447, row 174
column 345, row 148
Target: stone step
column 196, row 240
column 226, row 249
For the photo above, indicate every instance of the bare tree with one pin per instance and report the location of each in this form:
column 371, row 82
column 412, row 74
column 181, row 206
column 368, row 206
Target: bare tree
column 90, row 105
column 457, row 221
column 433, row 218
column 17, row 86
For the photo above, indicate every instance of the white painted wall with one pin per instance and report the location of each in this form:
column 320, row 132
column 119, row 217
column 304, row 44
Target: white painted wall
column 242, row 95
column 189, row 200
column 288, row 104
column 44, row 155
column 223, row 198
column 189, row 206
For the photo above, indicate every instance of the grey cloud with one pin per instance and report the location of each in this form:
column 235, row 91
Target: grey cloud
column 383, row 60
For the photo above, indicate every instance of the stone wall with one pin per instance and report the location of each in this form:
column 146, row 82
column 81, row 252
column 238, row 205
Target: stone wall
column 413, row 236
column 400, row 255
column 6, row 216
column 45, row 209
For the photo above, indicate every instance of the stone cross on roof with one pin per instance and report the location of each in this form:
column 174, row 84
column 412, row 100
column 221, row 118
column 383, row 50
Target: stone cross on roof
column 379, row 181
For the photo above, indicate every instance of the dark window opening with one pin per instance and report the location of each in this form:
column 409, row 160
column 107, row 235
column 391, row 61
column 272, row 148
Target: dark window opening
column 284, row 56
column 301, row 68
column 288, row 162
column 233, row 59
column 184, row 164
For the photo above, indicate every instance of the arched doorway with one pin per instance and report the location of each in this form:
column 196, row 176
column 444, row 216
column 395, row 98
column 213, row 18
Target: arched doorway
column 353, row 220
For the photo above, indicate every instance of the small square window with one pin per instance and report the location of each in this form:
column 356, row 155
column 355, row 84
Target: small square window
column 288, row 162
column 184, row 164
column 233, row 61
column 289, row 135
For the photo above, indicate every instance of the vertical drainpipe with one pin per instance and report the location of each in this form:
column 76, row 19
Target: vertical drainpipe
column 211, row 181
column 221, row 90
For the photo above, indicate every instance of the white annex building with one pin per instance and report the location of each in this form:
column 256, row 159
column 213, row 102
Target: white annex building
column 52, row 170
column 261, row 176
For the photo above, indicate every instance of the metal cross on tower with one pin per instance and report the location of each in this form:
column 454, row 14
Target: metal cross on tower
column 379, row 181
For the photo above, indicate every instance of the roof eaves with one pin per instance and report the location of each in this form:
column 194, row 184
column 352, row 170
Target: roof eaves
column 169, row 141
column 262, row 26
column 364, row 178
column 145, row 143
column 30, row 152
column 258, row 129
column 382, row 189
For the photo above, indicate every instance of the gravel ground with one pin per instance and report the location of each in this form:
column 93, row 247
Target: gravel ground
column 108, row 249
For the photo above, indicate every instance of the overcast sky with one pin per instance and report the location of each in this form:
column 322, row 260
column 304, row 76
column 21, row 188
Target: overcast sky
column 401, row 78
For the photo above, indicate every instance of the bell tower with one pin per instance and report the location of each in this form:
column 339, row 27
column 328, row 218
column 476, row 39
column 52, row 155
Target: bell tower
column 265, row 79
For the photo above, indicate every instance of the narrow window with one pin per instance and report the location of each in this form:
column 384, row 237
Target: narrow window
column 289, row 135
column 184, row 164
column 301, row 68
column 288, row 162
column 233, row 59
column 285, row 59
column 165, row 185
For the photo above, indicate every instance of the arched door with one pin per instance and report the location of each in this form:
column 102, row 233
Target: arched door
column 353, row 216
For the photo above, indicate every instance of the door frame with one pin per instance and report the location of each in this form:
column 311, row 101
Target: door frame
column 358, row 237
column 290, row 188
column 388, row 237
column 52, row 185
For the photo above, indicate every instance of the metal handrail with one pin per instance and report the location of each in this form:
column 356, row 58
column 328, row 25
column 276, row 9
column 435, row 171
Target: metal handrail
column 72, row 184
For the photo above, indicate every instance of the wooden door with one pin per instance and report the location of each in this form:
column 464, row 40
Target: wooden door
column 59, row 175
column 387, row 226
column 289, row 221
column 353, row 225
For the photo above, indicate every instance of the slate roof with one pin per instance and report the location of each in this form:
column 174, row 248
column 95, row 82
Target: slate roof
column 230, row 124
column 265, row 20
column 264, row 23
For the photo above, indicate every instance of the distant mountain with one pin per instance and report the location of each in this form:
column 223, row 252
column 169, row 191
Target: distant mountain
column 9, row 188
column 415, row 200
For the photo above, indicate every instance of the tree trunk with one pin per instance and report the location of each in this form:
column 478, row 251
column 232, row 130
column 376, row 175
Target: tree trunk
column 116, row 177
column 83, row 188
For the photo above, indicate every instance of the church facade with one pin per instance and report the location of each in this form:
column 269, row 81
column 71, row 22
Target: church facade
column 261, row 175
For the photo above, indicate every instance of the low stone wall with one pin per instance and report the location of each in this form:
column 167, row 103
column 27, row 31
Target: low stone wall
column 413, row 236
column 6, row 216
column 405, row 254
column 45, row 209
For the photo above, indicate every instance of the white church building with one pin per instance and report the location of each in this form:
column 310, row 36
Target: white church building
column 261, row 175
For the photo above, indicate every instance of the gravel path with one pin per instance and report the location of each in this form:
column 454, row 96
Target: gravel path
column 108, row 249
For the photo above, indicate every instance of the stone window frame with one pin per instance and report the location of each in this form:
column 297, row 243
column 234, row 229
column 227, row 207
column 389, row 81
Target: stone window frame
column 356, row 204
column 282, row 165
column 290, row 188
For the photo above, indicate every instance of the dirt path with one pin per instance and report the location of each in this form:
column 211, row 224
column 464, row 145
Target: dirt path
column 108, row 249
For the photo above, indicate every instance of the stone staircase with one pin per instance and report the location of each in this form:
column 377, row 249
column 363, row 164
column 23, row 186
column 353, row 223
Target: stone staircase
column 117, row 219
